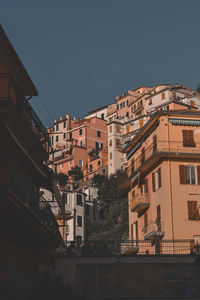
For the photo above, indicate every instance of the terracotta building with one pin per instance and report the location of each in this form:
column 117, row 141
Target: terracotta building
column 29, row 232
column 133, row 110
column 164, row 171
column 82, row 143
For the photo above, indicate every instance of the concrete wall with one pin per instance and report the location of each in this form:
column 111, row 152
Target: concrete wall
column 131, row 276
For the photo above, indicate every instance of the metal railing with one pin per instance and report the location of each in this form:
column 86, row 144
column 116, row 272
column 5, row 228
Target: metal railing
column 25, row 110
column 163, row 147
column 24, row 190
column 128, row 248
column 138, row 201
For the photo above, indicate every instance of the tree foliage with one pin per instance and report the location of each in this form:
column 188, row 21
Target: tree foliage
column 76, row 173
column 61, row 178
column 113, row 199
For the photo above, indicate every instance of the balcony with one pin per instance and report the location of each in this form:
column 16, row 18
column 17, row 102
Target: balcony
column 140, row 202
column 155, row 151
column 14, row 107
column 14, row 185
column 153, row 230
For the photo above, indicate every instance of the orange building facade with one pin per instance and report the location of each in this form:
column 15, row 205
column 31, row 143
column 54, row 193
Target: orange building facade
column 83, row 144
column 164, row 171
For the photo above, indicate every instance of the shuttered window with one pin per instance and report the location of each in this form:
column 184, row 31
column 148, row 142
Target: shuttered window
column 189, row 174
column 155, row 143
column 156, row 180
column 141, row 123
column 117, row 128
column 193, row 212
column 132, row 165
column 145, row 223
column 163, row 96
column 127, row 128
column 143, row 155
column 188, row 138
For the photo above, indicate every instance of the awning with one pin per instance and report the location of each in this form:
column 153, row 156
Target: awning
column 188, row 122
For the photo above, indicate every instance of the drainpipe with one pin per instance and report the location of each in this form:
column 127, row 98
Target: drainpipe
column 170, row 178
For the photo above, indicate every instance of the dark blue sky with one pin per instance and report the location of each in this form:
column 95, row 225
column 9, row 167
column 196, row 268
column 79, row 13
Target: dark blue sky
column 82, row 54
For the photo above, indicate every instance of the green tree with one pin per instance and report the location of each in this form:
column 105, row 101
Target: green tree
column 61, row 178
column 76, row 173
column 113, row 200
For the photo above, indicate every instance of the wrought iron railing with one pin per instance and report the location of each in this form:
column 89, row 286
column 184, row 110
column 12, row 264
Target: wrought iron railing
column 128, row 248
column 161, row 147
column 25, row 110
column 26, row 193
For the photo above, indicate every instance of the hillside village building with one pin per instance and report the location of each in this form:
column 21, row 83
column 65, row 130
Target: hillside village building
column 134, row 109
column 164, row 171
column 82, row 143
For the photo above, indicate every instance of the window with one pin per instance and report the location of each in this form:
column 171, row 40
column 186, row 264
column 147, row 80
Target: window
column 110, row 128
column 143, row 155
column 145, row 223
column 81, row 162
column 64, row 135
column 158, row 218
column 144, row 187
column 193, row 211
column 57, row 127
column 117, row 106
column 110, row 155
column 91, row 168
column 64, row 124
column 99, row 162
column 117, row 128
column 110, row 142
column 127, row 114
column 189, row 174
column 62, row 166
column 154, row 143
column 98, row 133
column 118, row 142
column 156, row 180
column 188, row 138
column 141, row 123
column 192, row 103
column 52, row 140
column 120, row 105
column 79, row 200
column 80, row 131
column 70, row 135
column 102, row 116
column 134, row 107
column 140, row 103
column 56, row 138
column 70, row 163
column 79, row 221
column 132, row 165
column 150, row 101
column 126, row 102
column 163, row 96
column 81, row 143
column 99, row 146
column 127, row 129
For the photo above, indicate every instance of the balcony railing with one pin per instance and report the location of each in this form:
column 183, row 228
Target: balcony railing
column 15, row 180
column 163, row 147
column 129, row 248
column 140, row 202
column 26, row 112
column 154, row 229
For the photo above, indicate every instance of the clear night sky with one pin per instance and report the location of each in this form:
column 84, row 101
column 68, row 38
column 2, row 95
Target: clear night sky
column 82, row 54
